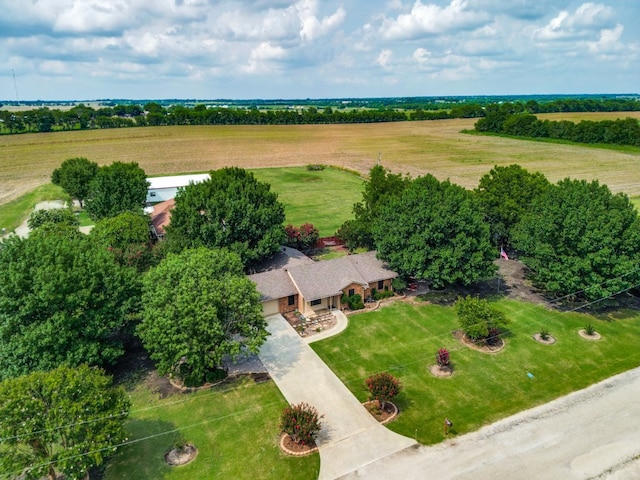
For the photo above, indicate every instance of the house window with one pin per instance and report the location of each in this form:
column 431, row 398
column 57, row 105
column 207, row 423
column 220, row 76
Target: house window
column 152, row 194
column 316, row 302
column 291, row 300
column 352, row 292
column 380, row 284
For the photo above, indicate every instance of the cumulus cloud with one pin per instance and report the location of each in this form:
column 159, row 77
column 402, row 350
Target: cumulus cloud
column 431, row 19
column 586, row 19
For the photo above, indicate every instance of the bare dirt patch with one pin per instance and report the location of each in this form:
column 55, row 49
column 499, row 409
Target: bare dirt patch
column 480, row 346
column 550, row 340
column 383, row 415
column 288, row 446
column 594, row 336
column 441, row 372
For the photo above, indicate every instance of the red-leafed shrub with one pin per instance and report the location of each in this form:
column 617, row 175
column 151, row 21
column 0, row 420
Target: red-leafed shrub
column 442, row 357
column 383, row 387
column 301, row 422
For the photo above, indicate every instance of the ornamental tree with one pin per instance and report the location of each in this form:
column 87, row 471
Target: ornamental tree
column 231, row 210
column 383, row 387
column 435, row 231
column 62, row 301
column 75, row 176
column 198, row 306
column 479, row 320
column 117, row 188
column 581, row 239
column 301, row 422
column 302, row 238
column 63, row 421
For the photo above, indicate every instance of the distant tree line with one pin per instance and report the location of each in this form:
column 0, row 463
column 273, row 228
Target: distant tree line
column 82, row 117
column 616, row 132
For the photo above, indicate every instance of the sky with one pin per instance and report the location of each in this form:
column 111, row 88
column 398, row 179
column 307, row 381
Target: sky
column 270, row 49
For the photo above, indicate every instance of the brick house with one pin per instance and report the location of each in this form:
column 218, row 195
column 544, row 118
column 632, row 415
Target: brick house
column 316, row 287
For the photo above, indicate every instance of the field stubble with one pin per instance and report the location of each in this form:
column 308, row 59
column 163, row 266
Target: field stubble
column 436, row 147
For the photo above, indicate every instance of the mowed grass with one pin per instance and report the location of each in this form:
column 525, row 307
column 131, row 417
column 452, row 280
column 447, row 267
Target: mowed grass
column 324, row 198
column 403, row 339
column 234, row 428
column 13, row 213
column 436, row 147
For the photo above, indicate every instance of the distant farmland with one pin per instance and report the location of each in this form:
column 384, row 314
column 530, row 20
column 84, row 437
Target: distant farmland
column 436, row 147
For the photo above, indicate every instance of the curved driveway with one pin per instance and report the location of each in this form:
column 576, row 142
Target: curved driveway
column 350, row 437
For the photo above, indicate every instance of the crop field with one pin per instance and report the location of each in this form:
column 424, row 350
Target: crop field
column 437, row 147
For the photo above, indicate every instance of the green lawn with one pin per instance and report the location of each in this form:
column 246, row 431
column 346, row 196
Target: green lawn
column 12, row 214
column 234, row 427
column 403, row 340
column 324, row 198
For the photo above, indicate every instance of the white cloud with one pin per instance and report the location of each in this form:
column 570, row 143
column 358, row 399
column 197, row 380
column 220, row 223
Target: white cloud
column 262, row 58
column 312, row 27
column 384, row 57
column 586, row 19
column 431, row 19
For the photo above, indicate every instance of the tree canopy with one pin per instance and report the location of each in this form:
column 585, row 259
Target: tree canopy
column 231, row 210
column 435, row 231
column 127, row 237
column 75, row 176
column 199, row 306
column 381, row 187
column 505, row 195
column 63, row 421
column 581, row 239
column 117, row 188
column 62, row 301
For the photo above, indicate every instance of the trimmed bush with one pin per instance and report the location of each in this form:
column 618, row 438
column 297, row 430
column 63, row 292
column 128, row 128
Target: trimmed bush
column 301, row 422
column 383, row 387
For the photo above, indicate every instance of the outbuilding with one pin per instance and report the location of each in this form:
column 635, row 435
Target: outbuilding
column 165, row 188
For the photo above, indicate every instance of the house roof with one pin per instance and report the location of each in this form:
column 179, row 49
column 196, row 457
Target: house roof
column 161, row 216
column 273, row 284
column 327, row 278
column 176, row 181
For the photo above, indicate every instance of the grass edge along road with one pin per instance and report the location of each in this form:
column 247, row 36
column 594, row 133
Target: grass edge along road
column 235, row 428
column 403, row 339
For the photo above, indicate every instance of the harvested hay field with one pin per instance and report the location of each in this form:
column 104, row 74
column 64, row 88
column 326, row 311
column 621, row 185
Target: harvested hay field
column 436, row 147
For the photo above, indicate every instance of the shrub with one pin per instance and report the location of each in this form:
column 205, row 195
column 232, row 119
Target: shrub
column 590, row 329
column 381, row 295
column 316, row 167
column 383, row 387
column 544, row 334
column 479, row 320
column 398, row 284
column 355, row 302
column 301, row 422
column 442, row 357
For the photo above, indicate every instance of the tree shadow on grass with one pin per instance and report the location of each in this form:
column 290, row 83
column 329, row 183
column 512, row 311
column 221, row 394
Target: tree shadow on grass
column 143, row 458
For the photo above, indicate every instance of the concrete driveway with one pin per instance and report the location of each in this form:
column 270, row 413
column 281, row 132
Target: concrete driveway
column 350, row 437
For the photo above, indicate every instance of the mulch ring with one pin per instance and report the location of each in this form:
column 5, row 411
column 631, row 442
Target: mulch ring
column 481, row 347
column 583, row 333
column 288, row 446
column 181, row 455
column 441, row 372
column 548, row 341
column 386, row 415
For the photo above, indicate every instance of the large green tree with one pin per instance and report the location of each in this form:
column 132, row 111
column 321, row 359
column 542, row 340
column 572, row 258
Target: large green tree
column 62, row 301
column 75, row 176
column 435, row 231
column 127, row 237
column 581, row 239
column 379, row 189
column 505, row 195
column 199, row 306
column 117, row 188
column 64, row 421
column 55, row 215
column 231, row 210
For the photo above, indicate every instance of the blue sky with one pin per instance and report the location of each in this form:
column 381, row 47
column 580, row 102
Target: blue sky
column 88, row 49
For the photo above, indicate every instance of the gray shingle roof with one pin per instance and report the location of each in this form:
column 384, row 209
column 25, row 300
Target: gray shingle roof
column 273, row 284
column 330, row 277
